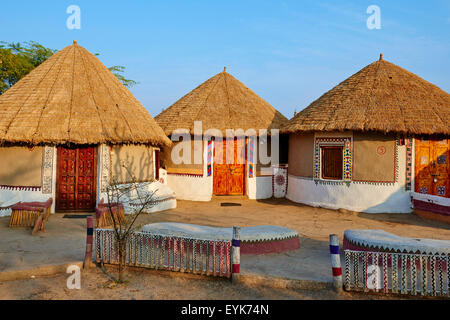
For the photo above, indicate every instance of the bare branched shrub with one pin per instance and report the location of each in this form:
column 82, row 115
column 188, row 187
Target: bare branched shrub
column 135, row 198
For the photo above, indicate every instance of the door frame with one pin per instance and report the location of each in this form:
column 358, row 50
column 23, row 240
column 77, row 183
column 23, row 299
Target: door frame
column 432, row 148
column 244, row 186
column 94, row 188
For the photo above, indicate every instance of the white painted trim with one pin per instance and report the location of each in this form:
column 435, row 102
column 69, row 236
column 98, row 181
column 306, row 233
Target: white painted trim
column 353, row 196
column 154, row 163
column 259, row 188
column 100, row 194
column 442, row 201
column 54, row 177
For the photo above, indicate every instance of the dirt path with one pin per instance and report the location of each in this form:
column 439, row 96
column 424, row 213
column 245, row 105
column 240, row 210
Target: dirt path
column 150, row 285
column 309, row 222
column 65, row 239
column 314, row 225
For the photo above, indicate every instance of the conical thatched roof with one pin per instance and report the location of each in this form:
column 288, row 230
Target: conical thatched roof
column 222, row 102
column 381, row 97
column 73, row 98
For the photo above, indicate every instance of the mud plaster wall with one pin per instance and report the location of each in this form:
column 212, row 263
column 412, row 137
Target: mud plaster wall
column 301, row 155
column 137, row 158
column 179, row 149
column 373, row 157
column 21, row 166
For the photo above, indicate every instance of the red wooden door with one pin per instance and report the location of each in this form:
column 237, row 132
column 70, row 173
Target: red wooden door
column 229, row 178
column 76, row 179
column 65, row 197
column 432, row 169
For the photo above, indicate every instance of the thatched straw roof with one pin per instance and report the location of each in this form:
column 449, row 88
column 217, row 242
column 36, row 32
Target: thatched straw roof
column 381, row 97
column 73, row 98
column 222, row 102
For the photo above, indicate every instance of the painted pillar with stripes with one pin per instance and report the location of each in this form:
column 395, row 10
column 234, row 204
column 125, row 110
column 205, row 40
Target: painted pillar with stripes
column 336, row 262
column 251, row 156
column 210, row 158
column 89, row 240
column 236, row 254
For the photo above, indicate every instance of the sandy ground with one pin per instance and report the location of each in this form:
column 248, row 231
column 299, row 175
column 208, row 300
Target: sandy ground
column 64, row 242
column 314, row 225
column 145, row 285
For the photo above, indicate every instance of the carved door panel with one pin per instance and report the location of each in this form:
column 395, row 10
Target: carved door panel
column 432, row 167
column 65, row 197
column 86, row 176
column 237, row 169
column 441, row 168
column 236, row 180
column 220, row 178
column 76, row 179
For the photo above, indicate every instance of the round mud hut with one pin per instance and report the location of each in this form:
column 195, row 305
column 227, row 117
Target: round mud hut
column 69, row 129
column 220, row 146
column 371, row 143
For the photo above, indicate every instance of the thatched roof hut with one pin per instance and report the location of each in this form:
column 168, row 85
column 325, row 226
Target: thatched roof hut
column 222, row 102
column 371, row 140
column 381, row 97
column 69, row 129
column 73, row 98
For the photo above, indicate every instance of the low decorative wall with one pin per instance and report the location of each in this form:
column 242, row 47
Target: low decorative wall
column 382, row 241
column 398, row 273
column 254, row 240
column 162, row 252
column 379, row 261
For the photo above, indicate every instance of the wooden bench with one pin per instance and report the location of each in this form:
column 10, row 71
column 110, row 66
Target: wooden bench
column 24, row 216
column 31, row 214
column 46, row 206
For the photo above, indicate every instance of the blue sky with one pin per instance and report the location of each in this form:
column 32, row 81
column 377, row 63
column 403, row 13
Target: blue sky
column 288, row 52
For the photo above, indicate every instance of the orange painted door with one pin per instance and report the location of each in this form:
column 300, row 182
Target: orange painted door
column 221, row 172
column 432, row 167
column 441, row 168
column 229, row 175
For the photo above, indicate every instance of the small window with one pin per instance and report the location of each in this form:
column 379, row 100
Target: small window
column 332, row 163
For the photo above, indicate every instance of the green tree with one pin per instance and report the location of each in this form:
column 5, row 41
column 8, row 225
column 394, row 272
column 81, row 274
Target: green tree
column 118, row 72
column 17, row 60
